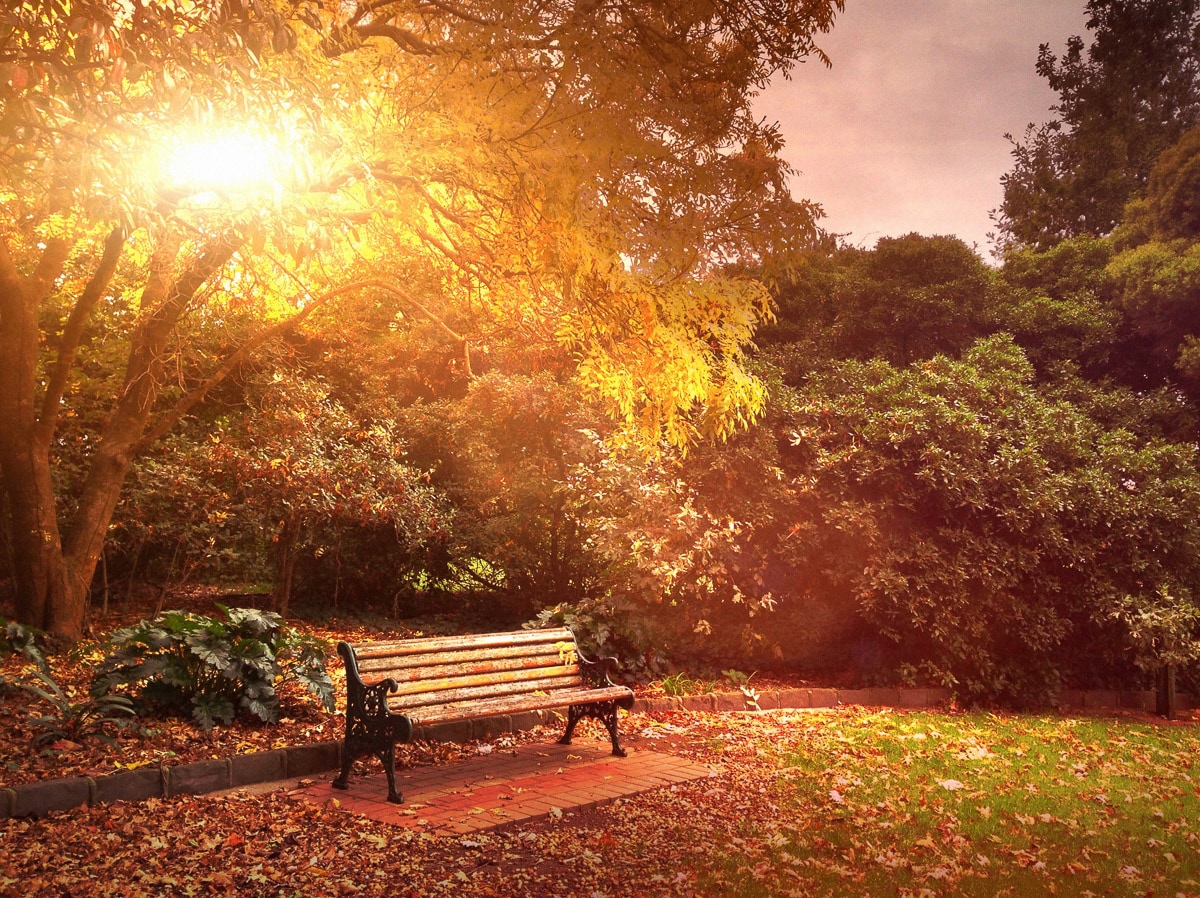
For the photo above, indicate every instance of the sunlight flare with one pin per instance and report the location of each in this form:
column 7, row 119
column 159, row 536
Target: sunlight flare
column 226, row 163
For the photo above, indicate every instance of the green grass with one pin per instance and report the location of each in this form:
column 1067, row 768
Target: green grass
column 677, row 684
column 934, row 804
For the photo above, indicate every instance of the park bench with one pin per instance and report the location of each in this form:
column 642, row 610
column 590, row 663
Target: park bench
column 394, row 687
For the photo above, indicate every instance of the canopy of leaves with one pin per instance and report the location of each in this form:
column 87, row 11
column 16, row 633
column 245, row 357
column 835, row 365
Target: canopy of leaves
column 910, row 297
column 568, row 178
column 1155, row 273
column 550, row 171
column 1123, row 100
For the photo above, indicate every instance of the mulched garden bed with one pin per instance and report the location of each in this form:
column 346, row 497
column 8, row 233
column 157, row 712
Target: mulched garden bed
column 158, row 740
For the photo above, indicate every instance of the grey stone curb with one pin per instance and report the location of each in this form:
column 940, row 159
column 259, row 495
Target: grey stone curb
column 37, row 799
column 40, row 798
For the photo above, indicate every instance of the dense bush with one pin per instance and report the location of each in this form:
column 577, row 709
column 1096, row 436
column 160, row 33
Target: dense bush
column 992, row 527
column 212, row 667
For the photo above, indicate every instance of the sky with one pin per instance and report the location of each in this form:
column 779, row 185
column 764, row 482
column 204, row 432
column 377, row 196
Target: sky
column 906, row 131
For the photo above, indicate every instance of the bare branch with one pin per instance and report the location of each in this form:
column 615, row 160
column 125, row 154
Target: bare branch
column 68, row 345
column 193, row 397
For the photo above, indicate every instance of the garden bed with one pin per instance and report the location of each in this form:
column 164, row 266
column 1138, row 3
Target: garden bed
column 153, row 741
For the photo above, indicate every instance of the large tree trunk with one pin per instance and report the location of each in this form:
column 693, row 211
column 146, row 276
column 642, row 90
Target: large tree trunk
column 24, row 448
column 53, row 574
column 37, row 557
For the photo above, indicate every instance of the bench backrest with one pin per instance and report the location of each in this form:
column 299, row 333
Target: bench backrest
column 444, row 670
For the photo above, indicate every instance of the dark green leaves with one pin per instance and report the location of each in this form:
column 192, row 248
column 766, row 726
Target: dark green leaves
column 213, row 667
column 998, row 529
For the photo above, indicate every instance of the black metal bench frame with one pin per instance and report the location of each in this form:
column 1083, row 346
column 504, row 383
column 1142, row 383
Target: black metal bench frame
column 378, row 717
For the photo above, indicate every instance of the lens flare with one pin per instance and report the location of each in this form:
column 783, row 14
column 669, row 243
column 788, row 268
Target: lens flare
column 223, row 164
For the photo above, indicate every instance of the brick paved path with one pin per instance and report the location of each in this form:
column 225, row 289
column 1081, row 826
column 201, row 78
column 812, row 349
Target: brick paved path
column 507, row 786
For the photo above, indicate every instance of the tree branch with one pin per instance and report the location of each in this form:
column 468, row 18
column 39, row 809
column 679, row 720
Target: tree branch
column 73, row 331
column 49, row 267
column 195, row 396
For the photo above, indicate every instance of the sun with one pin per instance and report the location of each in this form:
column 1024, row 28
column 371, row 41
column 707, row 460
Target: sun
column 225, row 163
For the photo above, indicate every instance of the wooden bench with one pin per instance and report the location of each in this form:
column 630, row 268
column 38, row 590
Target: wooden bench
column 393, row 687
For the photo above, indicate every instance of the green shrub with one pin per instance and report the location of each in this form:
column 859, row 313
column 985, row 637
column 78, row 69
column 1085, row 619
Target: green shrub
column 20, row 640
column 603, row 631
column 68, row 719
column 212, row 667
column 71, row 720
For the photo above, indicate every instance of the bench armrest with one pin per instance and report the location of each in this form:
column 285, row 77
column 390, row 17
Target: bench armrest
column 364, row 700
column 598, row 671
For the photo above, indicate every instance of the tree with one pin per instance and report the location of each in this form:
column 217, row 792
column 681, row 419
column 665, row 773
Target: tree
column 1155, row 271
column 566, row 175
column 1122, row 101
column 80, row 99
column 910, row 297
column 1058, row 307
column 983, row 524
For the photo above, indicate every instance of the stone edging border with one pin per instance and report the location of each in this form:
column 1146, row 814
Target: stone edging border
column 39, row 798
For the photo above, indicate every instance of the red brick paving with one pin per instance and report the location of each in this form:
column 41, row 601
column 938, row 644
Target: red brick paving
column 509, row 785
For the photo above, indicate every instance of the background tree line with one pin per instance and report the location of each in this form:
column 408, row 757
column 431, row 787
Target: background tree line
column 924, row 468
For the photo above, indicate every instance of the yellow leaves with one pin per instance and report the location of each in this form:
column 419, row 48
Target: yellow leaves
column 132, row 765
column 566, row 652
column 58, row 226
column 678, row 374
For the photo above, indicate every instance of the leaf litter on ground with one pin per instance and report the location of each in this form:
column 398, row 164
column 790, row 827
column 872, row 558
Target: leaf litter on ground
column 1044, row 805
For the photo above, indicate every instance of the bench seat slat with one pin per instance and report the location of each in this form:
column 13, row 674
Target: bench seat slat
column 412, row 679
column 387, row 665
column 400, row 704
column 513, row 704
column 443, row 643
column 459, row 678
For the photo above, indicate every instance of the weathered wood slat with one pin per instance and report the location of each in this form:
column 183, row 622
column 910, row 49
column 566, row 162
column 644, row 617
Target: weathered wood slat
column 387, row 665
column 401, row 704
column 497, row 670
column 463, row 680
column 444, row 643
column 513, row 704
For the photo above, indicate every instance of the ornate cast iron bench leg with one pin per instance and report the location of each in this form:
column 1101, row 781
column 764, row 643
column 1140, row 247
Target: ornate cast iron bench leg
column 383, row 746
column 343, row 779
column 371, row 730
column 605, row 712
column 388, row 757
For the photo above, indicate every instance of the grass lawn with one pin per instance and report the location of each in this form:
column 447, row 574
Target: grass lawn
column 842, row 802
column 923, row 803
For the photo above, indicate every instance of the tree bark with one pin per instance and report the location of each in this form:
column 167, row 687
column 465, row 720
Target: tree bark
column 24, row 449
column 53, row 573
column 287, row 542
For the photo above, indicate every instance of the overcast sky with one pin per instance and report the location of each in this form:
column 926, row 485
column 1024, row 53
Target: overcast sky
column 906, row 131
